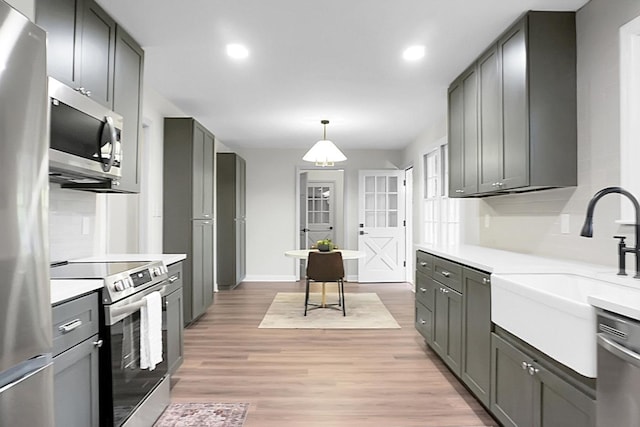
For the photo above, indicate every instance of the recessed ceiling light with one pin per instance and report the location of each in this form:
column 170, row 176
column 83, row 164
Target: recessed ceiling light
column 413, row 53
column 237, row 51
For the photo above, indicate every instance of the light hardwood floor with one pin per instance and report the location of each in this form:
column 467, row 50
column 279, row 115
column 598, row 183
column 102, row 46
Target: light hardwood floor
column 324, row 378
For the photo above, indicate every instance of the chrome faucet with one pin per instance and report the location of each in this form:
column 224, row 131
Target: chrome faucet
column 587, row 228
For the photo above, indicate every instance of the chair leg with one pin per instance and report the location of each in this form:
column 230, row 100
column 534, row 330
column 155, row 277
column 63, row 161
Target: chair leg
column 344, row 308
column 306, row 298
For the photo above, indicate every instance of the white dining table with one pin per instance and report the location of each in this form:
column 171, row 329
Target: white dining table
column 347, row 254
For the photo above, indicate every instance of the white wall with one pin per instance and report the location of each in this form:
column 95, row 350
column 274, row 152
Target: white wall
column 271, row 206
column 26, row 7
column 531, row 222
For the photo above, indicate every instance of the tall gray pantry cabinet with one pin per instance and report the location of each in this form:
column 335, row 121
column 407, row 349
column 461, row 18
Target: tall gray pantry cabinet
column 230, row 219
column 188, row 218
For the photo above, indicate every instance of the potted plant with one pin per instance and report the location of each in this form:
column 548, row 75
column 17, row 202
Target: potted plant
column 325, row 245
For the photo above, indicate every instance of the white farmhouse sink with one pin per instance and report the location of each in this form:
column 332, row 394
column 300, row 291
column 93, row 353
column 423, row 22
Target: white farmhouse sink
column 551, row 312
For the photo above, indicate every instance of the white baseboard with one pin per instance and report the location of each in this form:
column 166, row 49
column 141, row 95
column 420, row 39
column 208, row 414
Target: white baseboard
column 270, row 278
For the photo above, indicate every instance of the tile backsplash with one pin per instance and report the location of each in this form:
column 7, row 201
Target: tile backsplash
column 73, row 223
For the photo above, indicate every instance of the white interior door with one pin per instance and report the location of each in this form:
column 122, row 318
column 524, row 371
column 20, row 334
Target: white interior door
column 381, row 231
column 320, row 212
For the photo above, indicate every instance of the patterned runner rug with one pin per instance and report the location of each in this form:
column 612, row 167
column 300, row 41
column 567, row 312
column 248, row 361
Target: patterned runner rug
column 364, row 311
column 203, row 415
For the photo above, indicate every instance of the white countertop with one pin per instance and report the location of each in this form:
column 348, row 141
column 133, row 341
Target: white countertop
column 168, row 259
column 62, row 290
column 625, row 300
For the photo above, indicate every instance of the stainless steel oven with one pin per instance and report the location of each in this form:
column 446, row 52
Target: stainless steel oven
column 129, row 395
column 618, row 385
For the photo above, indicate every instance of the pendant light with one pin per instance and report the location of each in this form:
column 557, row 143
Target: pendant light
column 324, row 152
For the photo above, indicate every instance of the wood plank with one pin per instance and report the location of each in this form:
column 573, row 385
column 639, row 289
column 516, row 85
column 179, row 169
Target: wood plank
column 300, row 377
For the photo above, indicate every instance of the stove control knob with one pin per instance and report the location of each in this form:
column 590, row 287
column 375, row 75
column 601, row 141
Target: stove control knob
column 119, row 286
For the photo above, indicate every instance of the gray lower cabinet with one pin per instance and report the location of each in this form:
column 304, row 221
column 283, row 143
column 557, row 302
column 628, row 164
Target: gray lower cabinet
column 425, row 302
column 447, row 326
column 76, row 371
column 175, row 319
column 476, row 333
column 526, row 392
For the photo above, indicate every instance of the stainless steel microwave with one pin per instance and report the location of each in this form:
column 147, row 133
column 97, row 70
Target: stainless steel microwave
column 85, row 140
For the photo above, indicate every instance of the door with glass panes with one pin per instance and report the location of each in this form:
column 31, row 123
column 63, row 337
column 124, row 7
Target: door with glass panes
column 381, row 226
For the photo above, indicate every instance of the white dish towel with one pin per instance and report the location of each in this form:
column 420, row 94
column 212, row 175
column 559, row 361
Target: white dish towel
column 151, row 331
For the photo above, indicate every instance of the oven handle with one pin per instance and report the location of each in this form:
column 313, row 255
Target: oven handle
column 118, row 313
column 618, row 350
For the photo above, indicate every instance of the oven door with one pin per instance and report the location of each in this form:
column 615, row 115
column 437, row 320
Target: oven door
column 123, row 384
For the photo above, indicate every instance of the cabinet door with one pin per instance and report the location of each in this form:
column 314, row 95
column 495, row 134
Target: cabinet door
column 175, row 340
column 463, row 131
column 561, row 404
column 127, row 101
column 97, row 48
column 447, row 328
column 512, row 387
column 59, row 19
column 203, row 172
column 476, row 335
column 490, row 164
column 515, row 124
column 76, row 392
column 202, row 282
column 424, row 322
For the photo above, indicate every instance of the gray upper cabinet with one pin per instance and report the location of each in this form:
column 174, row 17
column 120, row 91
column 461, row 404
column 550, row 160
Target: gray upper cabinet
column 188, row 223
column 81, row 45
column 127, row 101
column 230, row 219
column 527, row 120
column 463, row 134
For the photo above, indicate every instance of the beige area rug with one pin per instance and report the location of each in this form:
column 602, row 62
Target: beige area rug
column 364, row 311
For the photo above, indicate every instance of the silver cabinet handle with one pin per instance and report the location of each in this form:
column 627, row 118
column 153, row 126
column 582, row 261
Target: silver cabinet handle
column 423, row 322
column 459, row 191
column 423, row 290
column 173, row 279
column 485, row 281
column 423, row 264
column 444, row 291
column 68, row 327
column 525, row 366
column 98, row 343
column 445, row 273
column 533, row 370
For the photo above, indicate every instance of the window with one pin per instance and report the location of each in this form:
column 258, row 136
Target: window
column 441, row 214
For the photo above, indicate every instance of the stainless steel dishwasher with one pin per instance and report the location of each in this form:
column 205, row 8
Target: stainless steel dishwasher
column 618, row 384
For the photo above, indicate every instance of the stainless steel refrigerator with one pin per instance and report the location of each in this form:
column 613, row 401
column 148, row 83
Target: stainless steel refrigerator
column 26, row 369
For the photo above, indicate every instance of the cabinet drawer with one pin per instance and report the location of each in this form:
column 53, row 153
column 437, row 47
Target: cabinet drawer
column 425, row 289
column 448, row 273
column 174, row 277
column 424, row 321
column 74, row 321
column 424, row 262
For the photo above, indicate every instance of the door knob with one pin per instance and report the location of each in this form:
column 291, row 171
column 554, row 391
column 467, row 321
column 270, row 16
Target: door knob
column 363, row 232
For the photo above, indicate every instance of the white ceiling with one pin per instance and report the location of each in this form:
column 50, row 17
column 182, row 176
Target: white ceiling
column 310, row 60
